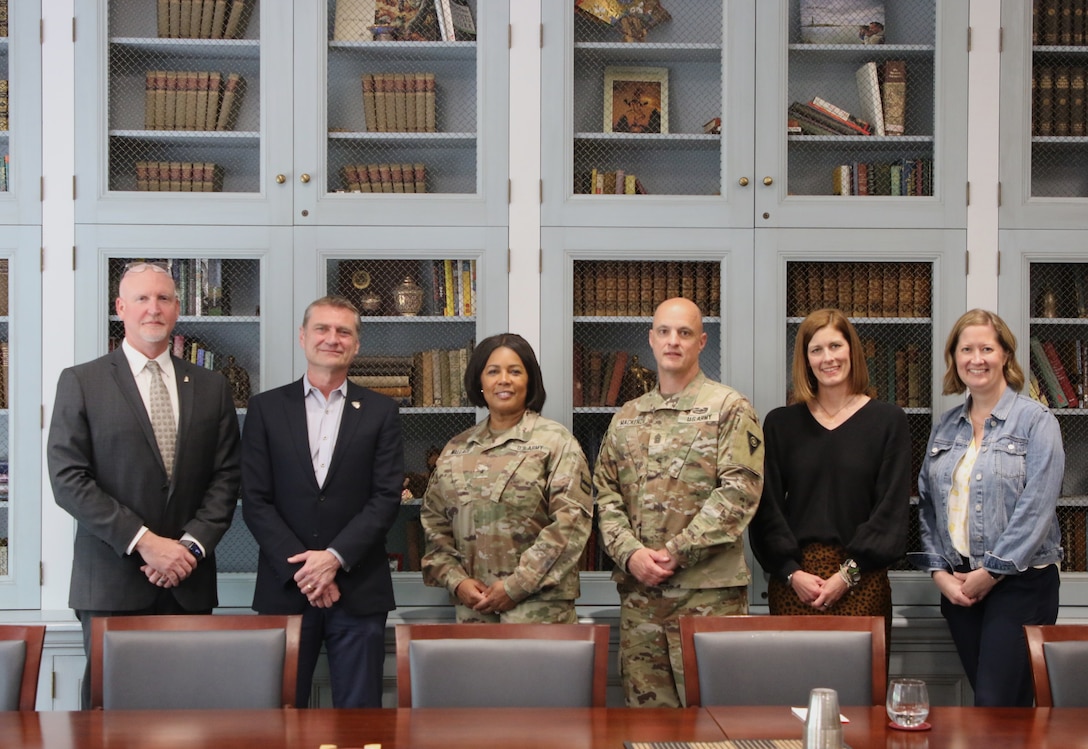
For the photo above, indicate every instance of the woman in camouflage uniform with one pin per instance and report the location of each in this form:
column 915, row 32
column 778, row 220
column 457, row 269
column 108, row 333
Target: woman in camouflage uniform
column 508, row 509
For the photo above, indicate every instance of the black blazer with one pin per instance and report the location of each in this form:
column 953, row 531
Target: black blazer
column 106, row 471
column 288, row 513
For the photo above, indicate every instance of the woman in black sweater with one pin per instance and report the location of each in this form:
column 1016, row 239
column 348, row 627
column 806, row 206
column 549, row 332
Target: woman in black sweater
column 836, row 490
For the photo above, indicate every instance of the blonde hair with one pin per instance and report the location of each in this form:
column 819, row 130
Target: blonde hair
column 1011, row 370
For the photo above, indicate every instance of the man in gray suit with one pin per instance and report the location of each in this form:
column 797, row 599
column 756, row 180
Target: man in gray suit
column 143, row 451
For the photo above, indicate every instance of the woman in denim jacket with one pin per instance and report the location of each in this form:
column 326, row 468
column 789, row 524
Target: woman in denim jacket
column 988, row 490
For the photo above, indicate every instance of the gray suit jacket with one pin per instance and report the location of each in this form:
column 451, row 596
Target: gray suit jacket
column 105, row 468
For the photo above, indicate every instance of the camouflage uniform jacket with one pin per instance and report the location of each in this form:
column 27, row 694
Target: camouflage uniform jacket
column 683, row 473
column 517, row 507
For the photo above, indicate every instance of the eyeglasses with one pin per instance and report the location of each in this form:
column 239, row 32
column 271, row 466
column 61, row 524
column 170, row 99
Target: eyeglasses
column 139, row 266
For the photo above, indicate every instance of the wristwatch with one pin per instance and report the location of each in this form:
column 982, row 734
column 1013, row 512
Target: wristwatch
column 194, row 549
column 850, row 572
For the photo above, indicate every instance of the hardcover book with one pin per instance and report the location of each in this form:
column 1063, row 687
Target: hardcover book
column 872, row 108
column 353, row 20
column 842, row 21
column 894, row 89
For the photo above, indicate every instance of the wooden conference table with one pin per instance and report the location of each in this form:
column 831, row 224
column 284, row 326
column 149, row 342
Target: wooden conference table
column 600, row 728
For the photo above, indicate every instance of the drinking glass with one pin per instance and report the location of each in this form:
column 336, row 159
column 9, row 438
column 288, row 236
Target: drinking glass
column 908, row 702
column 823, row 727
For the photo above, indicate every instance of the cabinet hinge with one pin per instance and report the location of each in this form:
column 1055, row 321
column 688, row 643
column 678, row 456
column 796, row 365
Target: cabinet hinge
column 41, row 565
column 53, row 686
column 73, row 257
column 542, row 36
column 999, row 262
column 967, row 263
column 41, row 259
column 509, row 36
column 1000, row 39
column 968, row 38
column 541, row 196
column 41, row 417
column 967, row 193
column 540, row 260
column 73, row 187
column 509, row 191
column 509, row 257
column 998, row 194
column 41, row 189
column 73, row 29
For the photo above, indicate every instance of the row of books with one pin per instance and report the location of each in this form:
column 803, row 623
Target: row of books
column 4, row 352
column 454, row 287
column 4, row 104
column 599, row 377
column 1061, row 372
column 5, row 172
column 904, row 177
column 635, row 288
column 203, row 19
column 384, row 177
column 899, row 374
column 399, row 102
column 3, row 18
column 193, row 350
column 199, row 283
column 601, row 182
column 428, row 378
column 403, row 20
column 191, row 99
column 179, row 176
column 1073, row 524
column 860, row 289
column 1059, row 22
column 882, row 92
column 1059, row 106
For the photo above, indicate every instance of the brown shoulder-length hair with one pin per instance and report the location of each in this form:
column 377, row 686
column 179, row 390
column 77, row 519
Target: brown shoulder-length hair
column 534, row 393
column 1014, row 375
column 804, row 382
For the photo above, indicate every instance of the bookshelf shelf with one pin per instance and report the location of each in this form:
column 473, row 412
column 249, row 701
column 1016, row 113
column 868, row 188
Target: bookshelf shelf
column 431, row 410
column 649, row 52
column 641, row 320
column 681, row 140
column 217, row 138
column 868, row 142
column 924, row 321
column 226, row 49
column 417, row 319
column 418, row 140
column 397, row 51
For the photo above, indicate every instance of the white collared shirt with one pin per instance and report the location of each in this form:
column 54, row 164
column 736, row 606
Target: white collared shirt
column 322, row 426
column 138, row 363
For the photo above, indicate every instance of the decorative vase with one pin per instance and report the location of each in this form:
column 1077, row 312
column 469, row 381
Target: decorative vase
column 408, row 297
column 1049, row 303
column 370, row 302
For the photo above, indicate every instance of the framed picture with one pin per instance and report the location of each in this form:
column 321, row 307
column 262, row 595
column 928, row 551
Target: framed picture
column 636, row 100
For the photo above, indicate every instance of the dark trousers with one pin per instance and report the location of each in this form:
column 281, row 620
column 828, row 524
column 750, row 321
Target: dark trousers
column 989, row 636
column 165, row 603
column 356, row 650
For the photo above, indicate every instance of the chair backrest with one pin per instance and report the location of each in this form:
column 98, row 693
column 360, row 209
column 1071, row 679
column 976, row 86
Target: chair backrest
column 194, row 662
column 778, row 660
column 502, row 665
column 20, row 660
column 1059, row 660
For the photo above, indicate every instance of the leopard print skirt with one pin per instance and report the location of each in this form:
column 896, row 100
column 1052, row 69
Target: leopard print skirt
column 872, row 596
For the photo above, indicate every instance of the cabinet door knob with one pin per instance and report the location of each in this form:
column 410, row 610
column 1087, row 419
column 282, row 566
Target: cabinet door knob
column 304, row 178
column 768, row 181
column 743, row 181
column 281, row 178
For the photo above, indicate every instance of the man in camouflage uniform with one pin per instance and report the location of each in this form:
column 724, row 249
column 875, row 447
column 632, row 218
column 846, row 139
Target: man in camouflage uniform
column 678, row 479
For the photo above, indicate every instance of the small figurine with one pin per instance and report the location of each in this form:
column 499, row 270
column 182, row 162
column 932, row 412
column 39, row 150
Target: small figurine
column 637, row 380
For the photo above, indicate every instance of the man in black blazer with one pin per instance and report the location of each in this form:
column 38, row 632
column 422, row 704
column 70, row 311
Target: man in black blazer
column 322, row 471
column 146, row 528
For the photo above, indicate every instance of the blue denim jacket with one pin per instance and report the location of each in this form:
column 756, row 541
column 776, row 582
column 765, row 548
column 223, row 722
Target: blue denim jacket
column 1012, row 520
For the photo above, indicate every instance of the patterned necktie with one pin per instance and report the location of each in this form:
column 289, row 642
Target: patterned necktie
column 162, row 417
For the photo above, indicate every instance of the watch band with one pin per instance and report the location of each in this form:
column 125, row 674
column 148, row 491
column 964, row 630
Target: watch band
column 194, row 549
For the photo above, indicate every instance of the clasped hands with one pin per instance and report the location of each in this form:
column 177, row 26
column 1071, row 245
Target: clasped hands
column 166, row 560
column 964, row 588
column 317, row 578
column 652, row 566
column 817, row 592
column 487, row 599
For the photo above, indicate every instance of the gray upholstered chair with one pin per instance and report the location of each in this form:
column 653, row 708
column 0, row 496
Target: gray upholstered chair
column 1059, row 660
column 20, row 659
column 194, row 662
column 777, row 660
column 502, row 665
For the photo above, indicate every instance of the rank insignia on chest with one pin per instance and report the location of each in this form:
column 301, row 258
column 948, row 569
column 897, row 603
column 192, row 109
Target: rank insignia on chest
column 753, row 443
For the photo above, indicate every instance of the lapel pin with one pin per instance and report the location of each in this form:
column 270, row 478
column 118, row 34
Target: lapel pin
column 355, row 404
column 186, row 378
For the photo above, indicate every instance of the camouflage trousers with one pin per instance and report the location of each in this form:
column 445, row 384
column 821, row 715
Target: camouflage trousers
column 651, row 664
column 529, row 611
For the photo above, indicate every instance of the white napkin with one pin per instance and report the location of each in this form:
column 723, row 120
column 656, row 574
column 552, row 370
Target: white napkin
column 802, row 713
